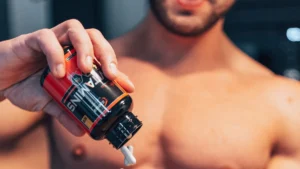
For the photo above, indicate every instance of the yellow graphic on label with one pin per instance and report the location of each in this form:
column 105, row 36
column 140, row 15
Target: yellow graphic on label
column 87, row 121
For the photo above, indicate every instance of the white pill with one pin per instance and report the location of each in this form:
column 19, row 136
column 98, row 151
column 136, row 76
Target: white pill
column 128, row 154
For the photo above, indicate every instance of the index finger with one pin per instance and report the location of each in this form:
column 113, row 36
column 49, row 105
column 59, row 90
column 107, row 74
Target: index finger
column 72, row 32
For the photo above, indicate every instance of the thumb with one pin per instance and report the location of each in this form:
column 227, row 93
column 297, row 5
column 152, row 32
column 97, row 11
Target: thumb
column 54, row 110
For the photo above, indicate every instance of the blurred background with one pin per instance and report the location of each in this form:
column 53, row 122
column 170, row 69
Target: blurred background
column 267, row 30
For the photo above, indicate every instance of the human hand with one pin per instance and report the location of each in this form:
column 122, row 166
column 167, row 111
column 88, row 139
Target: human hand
column 22, row 58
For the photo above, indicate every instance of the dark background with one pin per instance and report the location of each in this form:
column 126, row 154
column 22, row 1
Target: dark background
column 3, row 20
column 258, row 27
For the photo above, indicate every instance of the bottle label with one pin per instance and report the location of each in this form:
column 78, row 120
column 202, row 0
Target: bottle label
column 91, row 96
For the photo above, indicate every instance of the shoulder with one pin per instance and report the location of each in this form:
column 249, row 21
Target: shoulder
column 284, row 96
column 283, row 93
column 280, row 94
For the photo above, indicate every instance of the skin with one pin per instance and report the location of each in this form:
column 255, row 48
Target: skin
column 205, row 104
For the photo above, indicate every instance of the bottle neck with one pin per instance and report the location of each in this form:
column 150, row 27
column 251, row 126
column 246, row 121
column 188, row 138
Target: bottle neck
column 125, row 127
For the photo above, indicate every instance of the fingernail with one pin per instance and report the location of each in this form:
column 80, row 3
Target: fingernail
column 113, row 68
column 89, row 61
column 60, row 70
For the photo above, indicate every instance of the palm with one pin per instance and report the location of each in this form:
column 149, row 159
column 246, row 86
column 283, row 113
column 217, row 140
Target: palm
column 28, row 94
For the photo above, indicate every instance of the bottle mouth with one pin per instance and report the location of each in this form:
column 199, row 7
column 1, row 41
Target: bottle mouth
column 123, row 130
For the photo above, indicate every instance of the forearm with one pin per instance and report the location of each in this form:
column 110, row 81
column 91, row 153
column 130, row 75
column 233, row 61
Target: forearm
column 280, row 162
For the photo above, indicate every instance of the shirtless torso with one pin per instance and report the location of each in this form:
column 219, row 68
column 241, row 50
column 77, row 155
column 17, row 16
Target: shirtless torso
column 217, row 119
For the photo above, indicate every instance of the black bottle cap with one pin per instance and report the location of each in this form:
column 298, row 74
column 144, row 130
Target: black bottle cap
column 123, row 130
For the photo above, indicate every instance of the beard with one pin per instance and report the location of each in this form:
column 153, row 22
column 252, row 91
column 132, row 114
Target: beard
column 187, row 23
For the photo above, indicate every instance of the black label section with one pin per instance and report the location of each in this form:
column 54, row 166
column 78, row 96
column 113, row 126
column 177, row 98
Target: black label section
column 89, row 96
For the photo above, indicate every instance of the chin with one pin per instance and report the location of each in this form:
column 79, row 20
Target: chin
column 190, row 25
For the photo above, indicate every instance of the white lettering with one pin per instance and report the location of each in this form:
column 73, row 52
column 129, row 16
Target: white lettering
column 71, row 107
column 90, row 83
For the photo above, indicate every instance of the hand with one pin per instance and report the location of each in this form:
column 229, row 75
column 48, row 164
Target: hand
column 22, row 58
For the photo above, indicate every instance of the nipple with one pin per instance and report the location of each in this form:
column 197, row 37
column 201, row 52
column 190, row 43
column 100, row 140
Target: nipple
column 129, row 159
column 78, row 153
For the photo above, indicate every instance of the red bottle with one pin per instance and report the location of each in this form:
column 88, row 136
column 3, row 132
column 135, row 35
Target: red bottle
column 100, row 106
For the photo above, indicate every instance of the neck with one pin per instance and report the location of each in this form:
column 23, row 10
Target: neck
column 157, row 45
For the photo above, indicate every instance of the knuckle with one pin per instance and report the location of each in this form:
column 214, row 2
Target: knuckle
column 22, row 37
column 73, row 22
column 104, row 45
column 83, row 42
column 71, row 31
column 44, row 32
column 111, row 52
column 19, row 41
column 106, row 53
column 95, row 31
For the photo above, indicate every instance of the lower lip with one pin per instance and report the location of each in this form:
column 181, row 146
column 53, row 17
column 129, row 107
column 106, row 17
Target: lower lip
column 190, row 3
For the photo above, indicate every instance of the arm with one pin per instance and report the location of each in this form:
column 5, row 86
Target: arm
column 287, row 101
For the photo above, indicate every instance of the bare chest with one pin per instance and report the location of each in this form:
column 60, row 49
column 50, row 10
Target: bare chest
column 214, row 128
column 186, row 125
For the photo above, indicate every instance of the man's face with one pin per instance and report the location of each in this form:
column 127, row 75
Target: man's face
column 189, row 17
